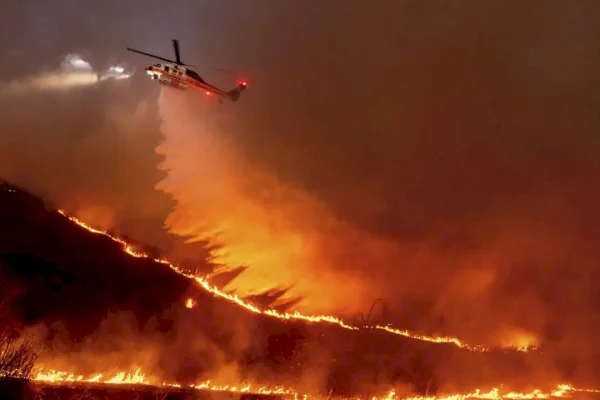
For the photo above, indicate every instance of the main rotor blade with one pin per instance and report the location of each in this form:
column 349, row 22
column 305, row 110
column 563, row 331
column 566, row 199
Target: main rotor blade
column 176, row 48
column 152, row 55
column 226, row 71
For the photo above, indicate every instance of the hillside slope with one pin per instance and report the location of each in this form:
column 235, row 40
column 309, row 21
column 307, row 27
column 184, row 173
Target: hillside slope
column 99, row 309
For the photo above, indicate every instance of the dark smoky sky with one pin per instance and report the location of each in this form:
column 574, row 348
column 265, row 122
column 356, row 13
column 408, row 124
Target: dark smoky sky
column 468, row 129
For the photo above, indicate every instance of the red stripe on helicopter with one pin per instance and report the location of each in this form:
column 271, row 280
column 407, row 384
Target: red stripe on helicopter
column 192, row 82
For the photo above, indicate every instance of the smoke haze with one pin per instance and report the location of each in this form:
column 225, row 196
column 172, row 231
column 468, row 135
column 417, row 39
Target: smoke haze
column 441, row 157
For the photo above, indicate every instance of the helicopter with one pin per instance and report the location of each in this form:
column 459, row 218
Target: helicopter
column 176, row 75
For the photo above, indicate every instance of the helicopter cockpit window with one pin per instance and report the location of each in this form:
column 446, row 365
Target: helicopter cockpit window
column 194, row 75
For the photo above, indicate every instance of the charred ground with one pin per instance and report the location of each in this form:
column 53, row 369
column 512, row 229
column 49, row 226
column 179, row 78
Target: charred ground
column 93, row 300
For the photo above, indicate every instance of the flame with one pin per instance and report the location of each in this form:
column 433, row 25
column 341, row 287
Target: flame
column 99, row 216
column 53, row 376
column 190, row 303
column 520, row 339
column 563, row 390
column 246, row 388
column 138, row 378
column 202, row 281
column 285, row 237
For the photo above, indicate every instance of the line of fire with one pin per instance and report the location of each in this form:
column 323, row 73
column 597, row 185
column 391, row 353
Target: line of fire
column 284, row 354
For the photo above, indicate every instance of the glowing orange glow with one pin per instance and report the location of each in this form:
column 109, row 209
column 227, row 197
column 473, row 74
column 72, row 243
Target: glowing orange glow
column 202, row 281
column 138, row 378
column 190, row 303
column 287, row 237
column 98, row 216
column 520, row 339
column 495, row 394
column 53, row 376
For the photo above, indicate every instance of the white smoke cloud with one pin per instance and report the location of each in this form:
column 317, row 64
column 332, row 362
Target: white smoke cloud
column 73, row 72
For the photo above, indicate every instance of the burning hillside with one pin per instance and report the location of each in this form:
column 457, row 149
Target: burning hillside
column 102, row 307
column 508, row 270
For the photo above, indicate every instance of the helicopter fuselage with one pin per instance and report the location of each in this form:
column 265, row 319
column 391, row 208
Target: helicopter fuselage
column 181, row 78
column 176, row 75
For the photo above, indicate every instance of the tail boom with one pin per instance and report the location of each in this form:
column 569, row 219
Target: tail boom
column 234, row 94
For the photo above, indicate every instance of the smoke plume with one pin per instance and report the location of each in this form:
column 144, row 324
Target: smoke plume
column 78, row 136
column 456, row 188
column 74, row 72
column 441, row 157
column 246, row 215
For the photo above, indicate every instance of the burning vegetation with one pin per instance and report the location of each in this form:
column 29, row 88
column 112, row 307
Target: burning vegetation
column 141, row 321
column 453, row 187
column 17, row 355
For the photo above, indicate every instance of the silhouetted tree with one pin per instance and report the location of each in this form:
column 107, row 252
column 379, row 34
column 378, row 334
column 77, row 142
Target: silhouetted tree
column 17, row 355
